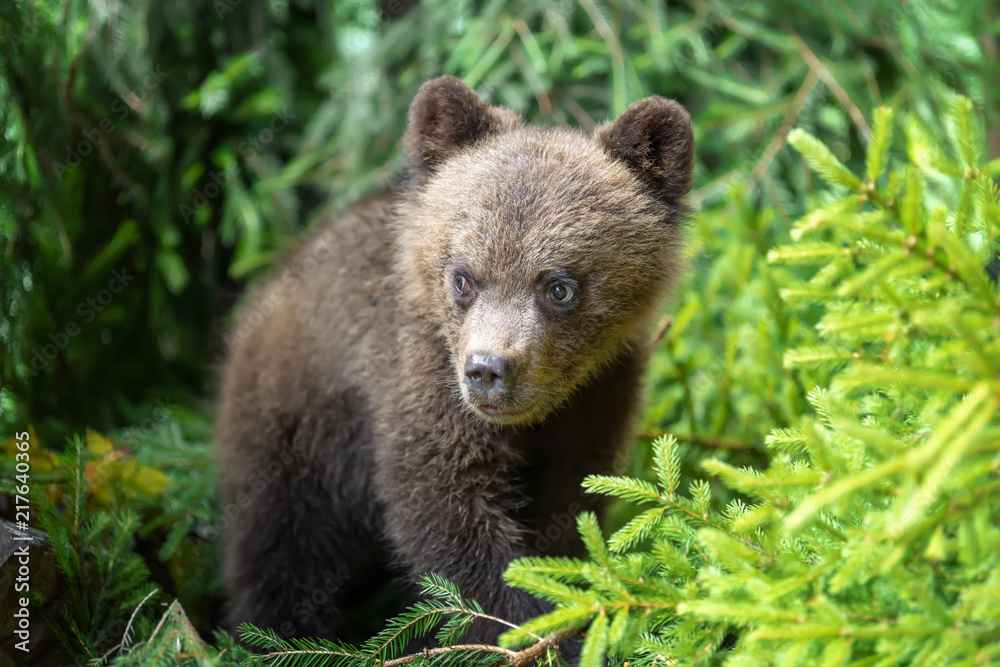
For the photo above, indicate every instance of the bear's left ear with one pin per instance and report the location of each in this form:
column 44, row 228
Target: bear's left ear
column 654, row 139
column 447, row 116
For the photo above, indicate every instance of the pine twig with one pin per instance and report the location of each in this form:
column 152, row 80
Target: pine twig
column 521, row 658
column 483, row 648
column 128, row 626
column 454, row 610
column 528, row 655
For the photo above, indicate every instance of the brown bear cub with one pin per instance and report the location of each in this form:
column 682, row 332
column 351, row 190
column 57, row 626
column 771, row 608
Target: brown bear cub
column 423, row 386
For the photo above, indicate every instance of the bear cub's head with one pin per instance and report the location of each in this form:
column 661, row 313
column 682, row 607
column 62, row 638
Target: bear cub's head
column 540, row 253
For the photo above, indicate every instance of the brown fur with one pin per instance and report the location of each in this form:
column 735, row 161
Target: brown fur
column 356, row 447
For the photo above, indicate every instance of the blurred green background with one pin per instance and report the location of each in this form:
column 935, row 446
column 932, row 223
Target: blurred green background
column 156, row 158
column 139, row 137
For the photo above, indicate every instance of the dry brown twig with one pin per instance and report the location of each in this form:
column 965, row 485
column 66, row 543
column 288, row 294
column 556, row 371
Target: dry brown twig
column 522, row 658
column 662, row 328
column 704, row 440
column 824, row 74
column 779, row 138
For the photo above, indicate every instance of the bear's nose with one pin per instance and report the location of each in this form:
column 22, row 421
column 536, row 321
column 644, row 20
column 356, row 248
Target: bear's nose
column 487, row 372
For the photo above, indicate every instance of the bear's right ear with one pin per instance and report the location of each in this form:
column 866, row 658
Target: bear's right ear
column 447, row 116
column 654, row 139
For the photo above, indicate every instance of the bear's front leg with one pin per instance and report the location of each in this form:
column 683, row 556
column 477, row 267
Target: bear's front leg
column 448, row 502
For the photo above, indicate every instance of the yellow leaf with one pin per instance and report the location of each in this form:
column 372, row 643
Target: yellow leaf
column 150, row 480
column 127, row 469
column 97, row 443
column 102, row 495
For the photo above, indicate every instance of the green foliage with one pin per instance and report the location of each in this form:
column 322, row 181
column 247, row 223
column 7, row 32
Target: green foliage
column 830, row 362
column 119, row 125
column 116, row 507
column 107, row 585
column 443, row 610
column 153, row 151
column 870, row 537
column 174, row 641
column 444, row 615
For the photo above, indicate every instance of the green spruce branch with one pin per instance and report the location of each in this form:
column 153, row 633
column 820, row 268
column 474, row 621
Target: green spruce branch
column 871, row 536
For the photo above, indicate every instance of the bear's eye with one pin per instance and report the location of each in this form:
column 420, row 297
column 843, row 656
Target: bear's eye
column 462, row 285
column 561, row 292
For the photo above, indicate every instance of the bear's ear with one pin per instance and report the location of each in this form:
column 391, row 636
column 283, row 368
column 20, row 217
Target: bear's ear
column 447, row 116
column 653, row 138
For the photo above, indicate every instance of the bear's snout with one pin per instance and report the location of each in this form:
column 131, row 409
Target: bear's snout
column 488, row 375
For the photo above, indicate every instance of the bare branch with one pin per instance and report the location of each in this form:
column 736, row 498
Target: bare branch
column 824, row 74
